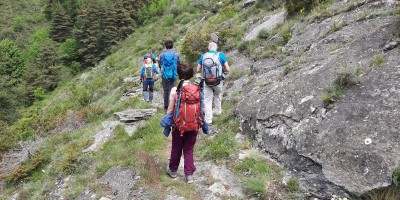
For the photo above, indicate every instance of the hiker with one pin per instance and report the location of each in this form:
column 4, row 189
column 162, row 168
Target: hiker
column 148, row 76
column 154, row 58
column 185, row 117
column 213, row 67
column 169, row 60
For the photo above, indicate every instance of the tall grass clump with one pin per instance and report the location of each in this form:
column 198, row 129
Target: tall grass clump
column 345, row 77
column 255, row 174
column 295, row 7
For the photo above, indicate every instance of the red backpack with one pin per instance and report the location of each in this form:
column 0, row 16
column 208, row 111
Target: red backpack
column 188, row 115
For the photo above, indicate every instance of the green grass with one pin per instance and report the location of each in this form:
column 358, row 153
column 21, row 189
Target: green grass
column 257, row 174
column 335, row 47
column 293, row 184
column 345, row 77
column 377, row 61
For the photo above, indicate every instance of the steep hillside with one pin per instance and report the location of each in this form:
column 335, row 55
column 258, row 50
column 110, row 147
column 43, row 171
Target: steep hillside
column 316, row 130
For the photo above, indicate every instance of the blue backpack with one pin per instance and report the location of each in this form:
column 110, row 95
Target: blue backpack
column 169, row 67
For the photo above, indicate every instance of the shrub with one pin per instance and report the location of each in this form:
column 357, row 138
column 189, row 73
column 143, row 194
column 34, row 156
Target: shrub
column 243, row 46
column 263, row 34
column 169, row 20
column 346, row 77
column 377, row 61
column 396, row 176
column 295, row 7
column 68, row 50
column 220, row 147
column 39, row 94
column 293, row 185
column 255, row 187
column 194, row 44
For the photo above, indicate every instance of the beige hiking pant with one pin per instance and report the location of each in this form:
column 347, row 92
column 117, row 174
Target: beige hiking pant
column 212, row 94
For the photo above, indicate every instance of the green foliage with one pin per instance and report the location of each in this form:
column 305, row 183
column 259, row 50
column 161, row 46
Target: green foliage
column 396, row 176
column 194, row 44
column 268, row 4
column 154, row 9
column 68, row 51
column 221, row 147
column 294, row 66
column 335, row 26
column 61, row 25
column 26, row 168
column 255, row 187
column 7, row 139
column 344, row 77
column 169, row 20
column 226, row 13
column 43, row 71
column 257, row 167
column 263, row 34
column 293, row 184
column 377, row 61
column 389, row 193
column 18, row 24
column 11, row 99
column 39, row 94
column 37, row 41
column 12, row 62
column 295, row 7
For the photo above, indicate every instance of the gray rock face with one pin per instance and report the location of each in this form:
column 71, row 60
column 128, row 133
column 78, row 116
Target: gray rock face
column 270, row 23
column 133, row 115
column 352, row 148
column 103, row 136
column 121, row 181
column 13, row 158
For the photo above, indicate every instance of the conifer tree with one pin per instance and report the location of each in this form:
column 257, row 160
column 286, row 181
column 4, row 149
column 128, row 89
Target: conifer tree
column 61, row 26
column 124, row 22
column 88, row 33
column 110, row 31
column 43, row 71
column 11, row 61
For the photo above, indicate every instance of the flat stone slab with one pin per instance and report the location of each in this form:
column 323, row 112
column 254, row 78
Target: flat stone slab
column 103, row 136
column 272, row 22
column 133, row 115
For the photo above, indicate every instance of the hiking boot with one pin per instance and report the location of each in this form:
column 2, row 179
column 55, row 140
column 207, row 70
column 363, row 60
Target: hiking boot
column 189, row 179
column 217, row 113
column 171, row 173
column 212, row 129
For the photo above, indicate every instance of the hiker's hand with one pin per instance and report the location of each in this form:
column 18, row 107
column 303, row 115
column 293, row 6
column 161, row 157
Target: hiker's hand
column 225, row 75
column 198, row 79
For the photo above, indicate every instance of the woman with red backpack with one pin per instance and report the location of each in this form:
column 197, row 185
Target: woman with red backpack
column 186, row 118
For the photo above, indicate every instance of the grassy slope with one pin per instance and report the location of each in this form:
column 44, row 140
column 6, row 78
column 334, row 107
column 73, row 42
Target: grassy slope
column 19, row 19
column 90, row 97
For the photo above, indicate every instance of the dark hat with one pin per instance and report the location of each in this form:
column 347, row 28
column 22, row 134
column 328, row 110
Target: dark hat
column 145, row 57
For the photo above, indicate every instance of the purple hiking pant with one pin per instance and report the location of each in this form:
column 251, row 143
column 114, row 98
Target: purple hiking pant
column 183, row 144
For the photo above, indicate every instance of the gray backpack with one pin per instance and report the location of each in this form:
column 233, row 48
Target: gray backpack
column 212, row 69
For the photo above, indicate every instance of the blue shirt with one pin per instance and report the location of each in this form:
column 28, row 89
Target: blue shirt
column 149, row 80
column 169, row 52
column 222, row 58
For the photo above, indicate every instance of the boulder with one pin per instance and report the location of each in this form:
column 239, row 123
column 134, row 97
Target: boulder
column 352, row 148
column 249, row 3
